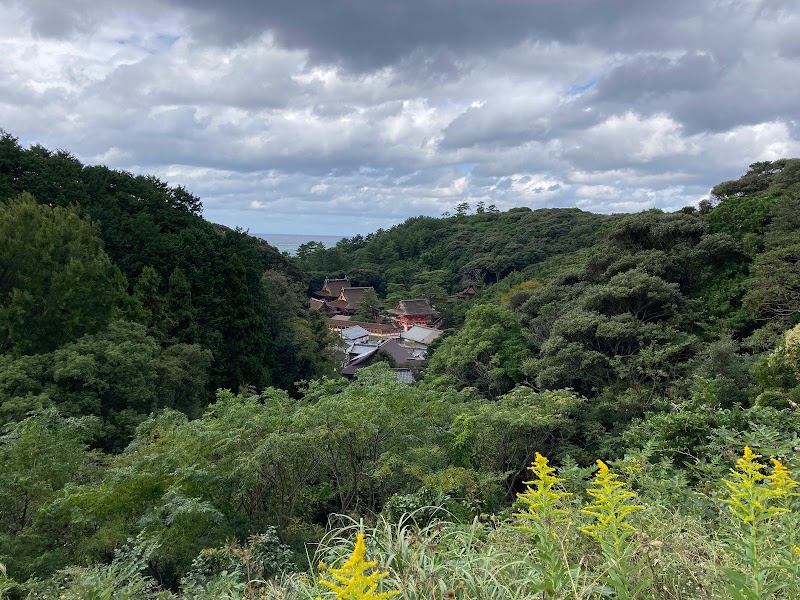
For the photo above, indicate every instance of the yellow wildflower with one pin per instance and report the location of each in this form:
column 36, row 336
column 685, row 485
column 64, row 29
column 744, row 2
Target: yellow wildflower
column 542, row 499
column 610, row 508
column 353, row 582
column 781, row 480
column 750, row 501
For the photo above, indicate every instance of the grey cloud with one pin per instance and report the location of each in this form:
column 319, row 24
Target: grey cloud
column 653, row 76
column 53, row 18
column 364, row 34
column 492, row 125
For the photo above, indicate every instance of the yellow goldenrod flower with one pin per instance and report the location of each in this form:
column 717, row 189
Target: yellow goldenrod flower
column 781, row 480
column 753, row 502
column 542, row 499
column 750, row 501
column 354, row 582
column 610, row 508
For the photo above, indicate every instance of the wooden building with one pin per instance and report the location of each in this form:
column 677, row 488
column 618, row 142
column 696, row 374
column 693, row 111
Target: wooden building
column 414, row 312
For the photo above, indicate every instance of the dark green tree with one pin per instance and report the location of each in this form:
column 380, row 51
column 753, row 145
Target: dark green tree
column 245, row 349
column 56, row 282
column 367, row 306
column 181, row 312
column 150, row 304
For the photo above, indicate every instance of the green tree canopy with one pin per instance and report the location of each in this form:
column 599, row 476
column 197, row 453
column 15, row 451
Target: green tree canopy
column 487, row 353
column 56, row 281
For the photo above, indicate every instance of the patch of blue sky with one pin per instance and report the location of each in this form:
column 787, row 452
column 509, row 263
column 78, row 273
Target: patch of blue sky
column 167, row 39
column 151, row 45
column 577, row 90
column 466, row 168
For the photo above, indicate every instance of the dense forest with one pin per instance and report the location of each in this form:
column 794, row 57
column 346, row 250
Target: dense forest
column 174, row 427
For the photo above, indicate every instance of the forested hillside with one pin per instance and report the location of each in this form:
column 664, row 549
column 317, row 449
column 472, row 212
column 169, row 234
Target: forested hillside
column 117, row 298
column 425, row 256
column 667, row 345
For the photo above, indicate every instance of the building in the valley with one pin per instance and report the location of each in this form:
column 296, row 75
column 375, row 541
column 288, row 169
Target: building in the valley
column 349, row 297
column 383, row 330
column 419, row 311
column 353, row 351
column 354, row 334
column 331, row 289
column 419, row 337
column 468, row 293
column 322, row 307
column 401, row 358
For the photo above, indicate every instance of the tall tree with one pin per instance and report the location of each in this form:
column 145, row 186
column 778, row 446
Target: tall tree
column 246, row 349
column 367, row 306
column 150, row 303
column 56, row 281
column 487, row 353
column 182, row 313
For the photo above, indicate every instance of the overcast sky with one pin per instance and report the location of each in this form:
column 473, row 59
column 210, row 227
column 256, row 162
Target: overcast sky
column 343, row 116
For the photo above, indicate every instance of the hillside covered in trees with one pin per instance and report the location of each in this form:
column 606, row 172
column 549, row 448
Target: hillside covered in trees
column 117, row 298
column 174, row 427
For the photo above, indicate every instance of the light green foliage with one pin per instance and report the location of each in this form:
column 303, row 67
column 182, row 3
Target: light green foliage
column 112, row 374
column 123, row 579
column 646, row 552
column 252, row 461
column 369, row 433
column 38, row 457
column 721, row 378
column 486, row 353
column 505, row 435
column 778, row 373
column 120, row 375
column 238, row 568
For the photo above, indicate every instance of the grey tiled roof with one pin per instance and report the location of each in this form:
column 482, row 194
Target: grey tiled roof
column 400, row 355
column 421, row 335
column 419, row 306
column 353, row 333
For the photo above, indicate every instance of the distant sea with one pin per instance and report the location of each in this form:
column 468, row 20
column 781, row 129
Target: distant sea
column 289, row 242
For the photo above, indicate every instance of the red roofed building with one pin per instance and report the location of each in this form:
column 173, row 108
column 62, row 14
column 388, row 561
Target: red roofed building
column 414, row 312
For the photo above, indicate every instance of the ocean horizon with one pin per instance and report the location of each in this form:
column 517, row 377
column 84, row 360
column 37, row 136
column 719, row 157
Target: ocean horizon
column 290, row 242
